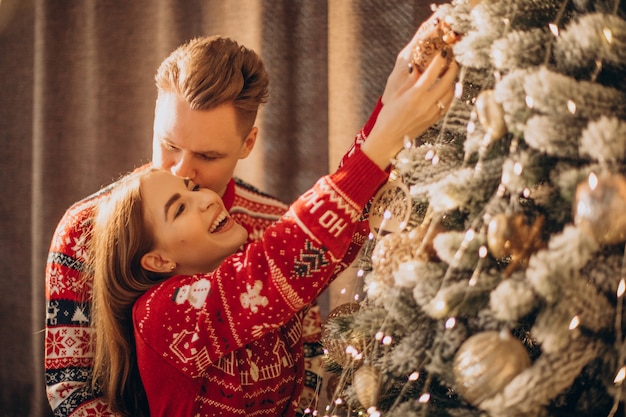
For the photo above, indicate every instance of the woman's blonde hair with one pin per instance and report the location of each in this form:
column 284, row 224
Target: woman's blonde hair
column 120, row 238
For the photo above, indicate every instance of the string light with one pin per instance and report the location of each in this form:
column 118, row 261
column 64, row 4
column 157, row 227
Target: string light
column 574, row 323
column 450, row 323
column 424, row 398
column 483, row 251
column 621, row 374
column 608, row 35
column 414, row 376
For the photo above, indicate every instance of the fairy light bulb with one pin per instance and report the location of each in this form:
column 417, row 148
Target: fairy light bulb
column 621, row 374
column 424, row 398
column 450, row 323
column 530, row 102
column 517, row 169
column 554, row 29
column 621, row 288
column 608, row 35
column 373, row 412
column 414, row 376
column 387, row 340
column 571, row 106
column 458, row 90
column 593, row 181
column 574, row 323
column 483, row 251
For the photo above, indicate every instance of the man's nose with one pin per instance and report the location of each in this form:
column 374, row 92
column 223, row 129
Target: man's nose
column 184, row 167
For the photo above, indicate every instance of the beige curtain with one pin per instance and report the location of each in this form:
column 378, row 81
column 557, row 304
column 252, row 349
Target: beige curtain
column 76, row 109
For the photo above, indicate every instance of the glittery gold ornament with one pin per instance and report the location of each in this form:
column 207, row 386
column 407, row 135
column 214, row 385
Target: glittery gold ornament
column 486, row 362
column 491, row 115
column 391, row 208
column 336, row 348
column 600, row 207
column 366, row 383
column 396, row 248
column 435, row 37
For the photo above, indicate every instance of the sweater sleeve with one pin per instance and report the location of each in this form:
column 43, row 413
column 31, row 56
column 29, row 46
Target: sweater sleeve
column 206, row 316
column 364, row 132
column 68, row 353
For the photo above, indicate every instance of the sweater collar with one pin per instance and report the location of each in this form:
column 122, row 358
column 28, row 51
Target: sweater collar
column 229, row 195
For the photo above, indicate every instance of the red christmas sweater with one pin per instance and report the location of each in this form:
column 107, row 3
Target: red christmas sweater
column 228, row 343
column 68, row 351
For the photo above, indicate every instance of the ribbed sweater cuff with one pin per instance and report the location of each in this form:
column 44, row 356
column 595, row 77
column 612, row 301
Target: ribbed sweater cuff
column 359, row 177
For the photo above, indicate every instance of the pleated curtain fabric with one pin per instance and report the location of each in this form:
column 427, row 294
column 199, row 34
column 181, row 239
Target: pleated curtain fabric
column 77, row 105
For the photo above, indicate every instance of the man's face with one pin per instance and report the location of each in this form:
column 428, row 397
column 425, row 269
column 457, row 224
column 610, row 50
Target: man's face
column 202, row 145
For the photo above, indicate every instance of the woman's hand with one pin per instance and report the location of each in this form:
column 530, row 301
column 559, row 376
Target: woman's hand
column 418, row 102
column 397, row 80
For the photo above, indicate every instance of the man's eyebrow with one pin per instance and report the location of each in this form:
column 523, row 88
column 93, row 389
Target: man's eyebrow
column 212, row 154
column 174, row 198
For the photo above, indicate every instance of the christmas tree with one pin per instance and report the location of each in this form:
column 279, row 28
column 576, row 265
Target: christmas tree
column 494, row 280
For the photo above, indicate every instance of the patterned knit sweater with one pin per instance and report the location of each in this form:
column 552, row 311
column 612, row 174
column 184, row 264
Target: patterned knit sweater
column 68, row 349
column 228, row 343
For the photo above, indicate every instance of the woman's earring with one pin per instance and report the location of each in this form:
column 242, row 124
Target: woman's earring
column 172, row 267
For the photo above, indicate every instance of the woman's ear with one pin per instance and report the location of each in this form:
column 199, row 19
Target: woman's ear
column 153, row 261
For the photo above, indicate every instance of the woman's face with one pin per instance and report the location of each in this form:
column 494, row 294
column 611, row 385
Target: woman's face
column 193, row 231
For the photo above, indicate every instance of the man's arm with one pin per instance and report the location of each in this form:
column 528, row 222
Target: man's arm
column 68, row 347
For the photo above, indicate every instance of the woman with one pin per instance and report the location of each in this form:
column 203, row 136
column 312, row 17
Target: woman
column 217, row 331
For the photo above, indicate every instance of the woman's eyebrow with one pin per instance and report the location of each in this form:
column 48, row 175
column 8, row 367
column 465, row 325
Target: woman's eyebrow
column 169, row 203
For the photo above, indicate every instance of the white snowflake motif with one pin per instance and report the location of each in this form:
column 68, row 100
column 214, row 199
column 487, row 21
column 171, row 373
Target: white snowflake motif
column 55, row 280
column 80, row 246
column 253, row 298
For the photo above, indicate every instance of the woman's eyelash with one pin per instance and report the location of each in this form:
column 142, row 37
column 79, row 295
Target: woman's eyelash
column 179, row 211
column 196, row 187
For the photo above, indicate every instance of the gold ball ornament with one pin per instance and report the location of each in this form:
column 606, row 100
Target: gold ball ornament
column 336, row 348
column 366, row 383
column 506, row 234
column 600, row 207
column 491, row 115
column 486, row 362
column 511, row 235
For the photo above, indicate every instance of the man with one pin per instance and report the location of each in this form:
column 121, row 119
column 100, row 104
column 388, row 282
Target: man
column 209, row 92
